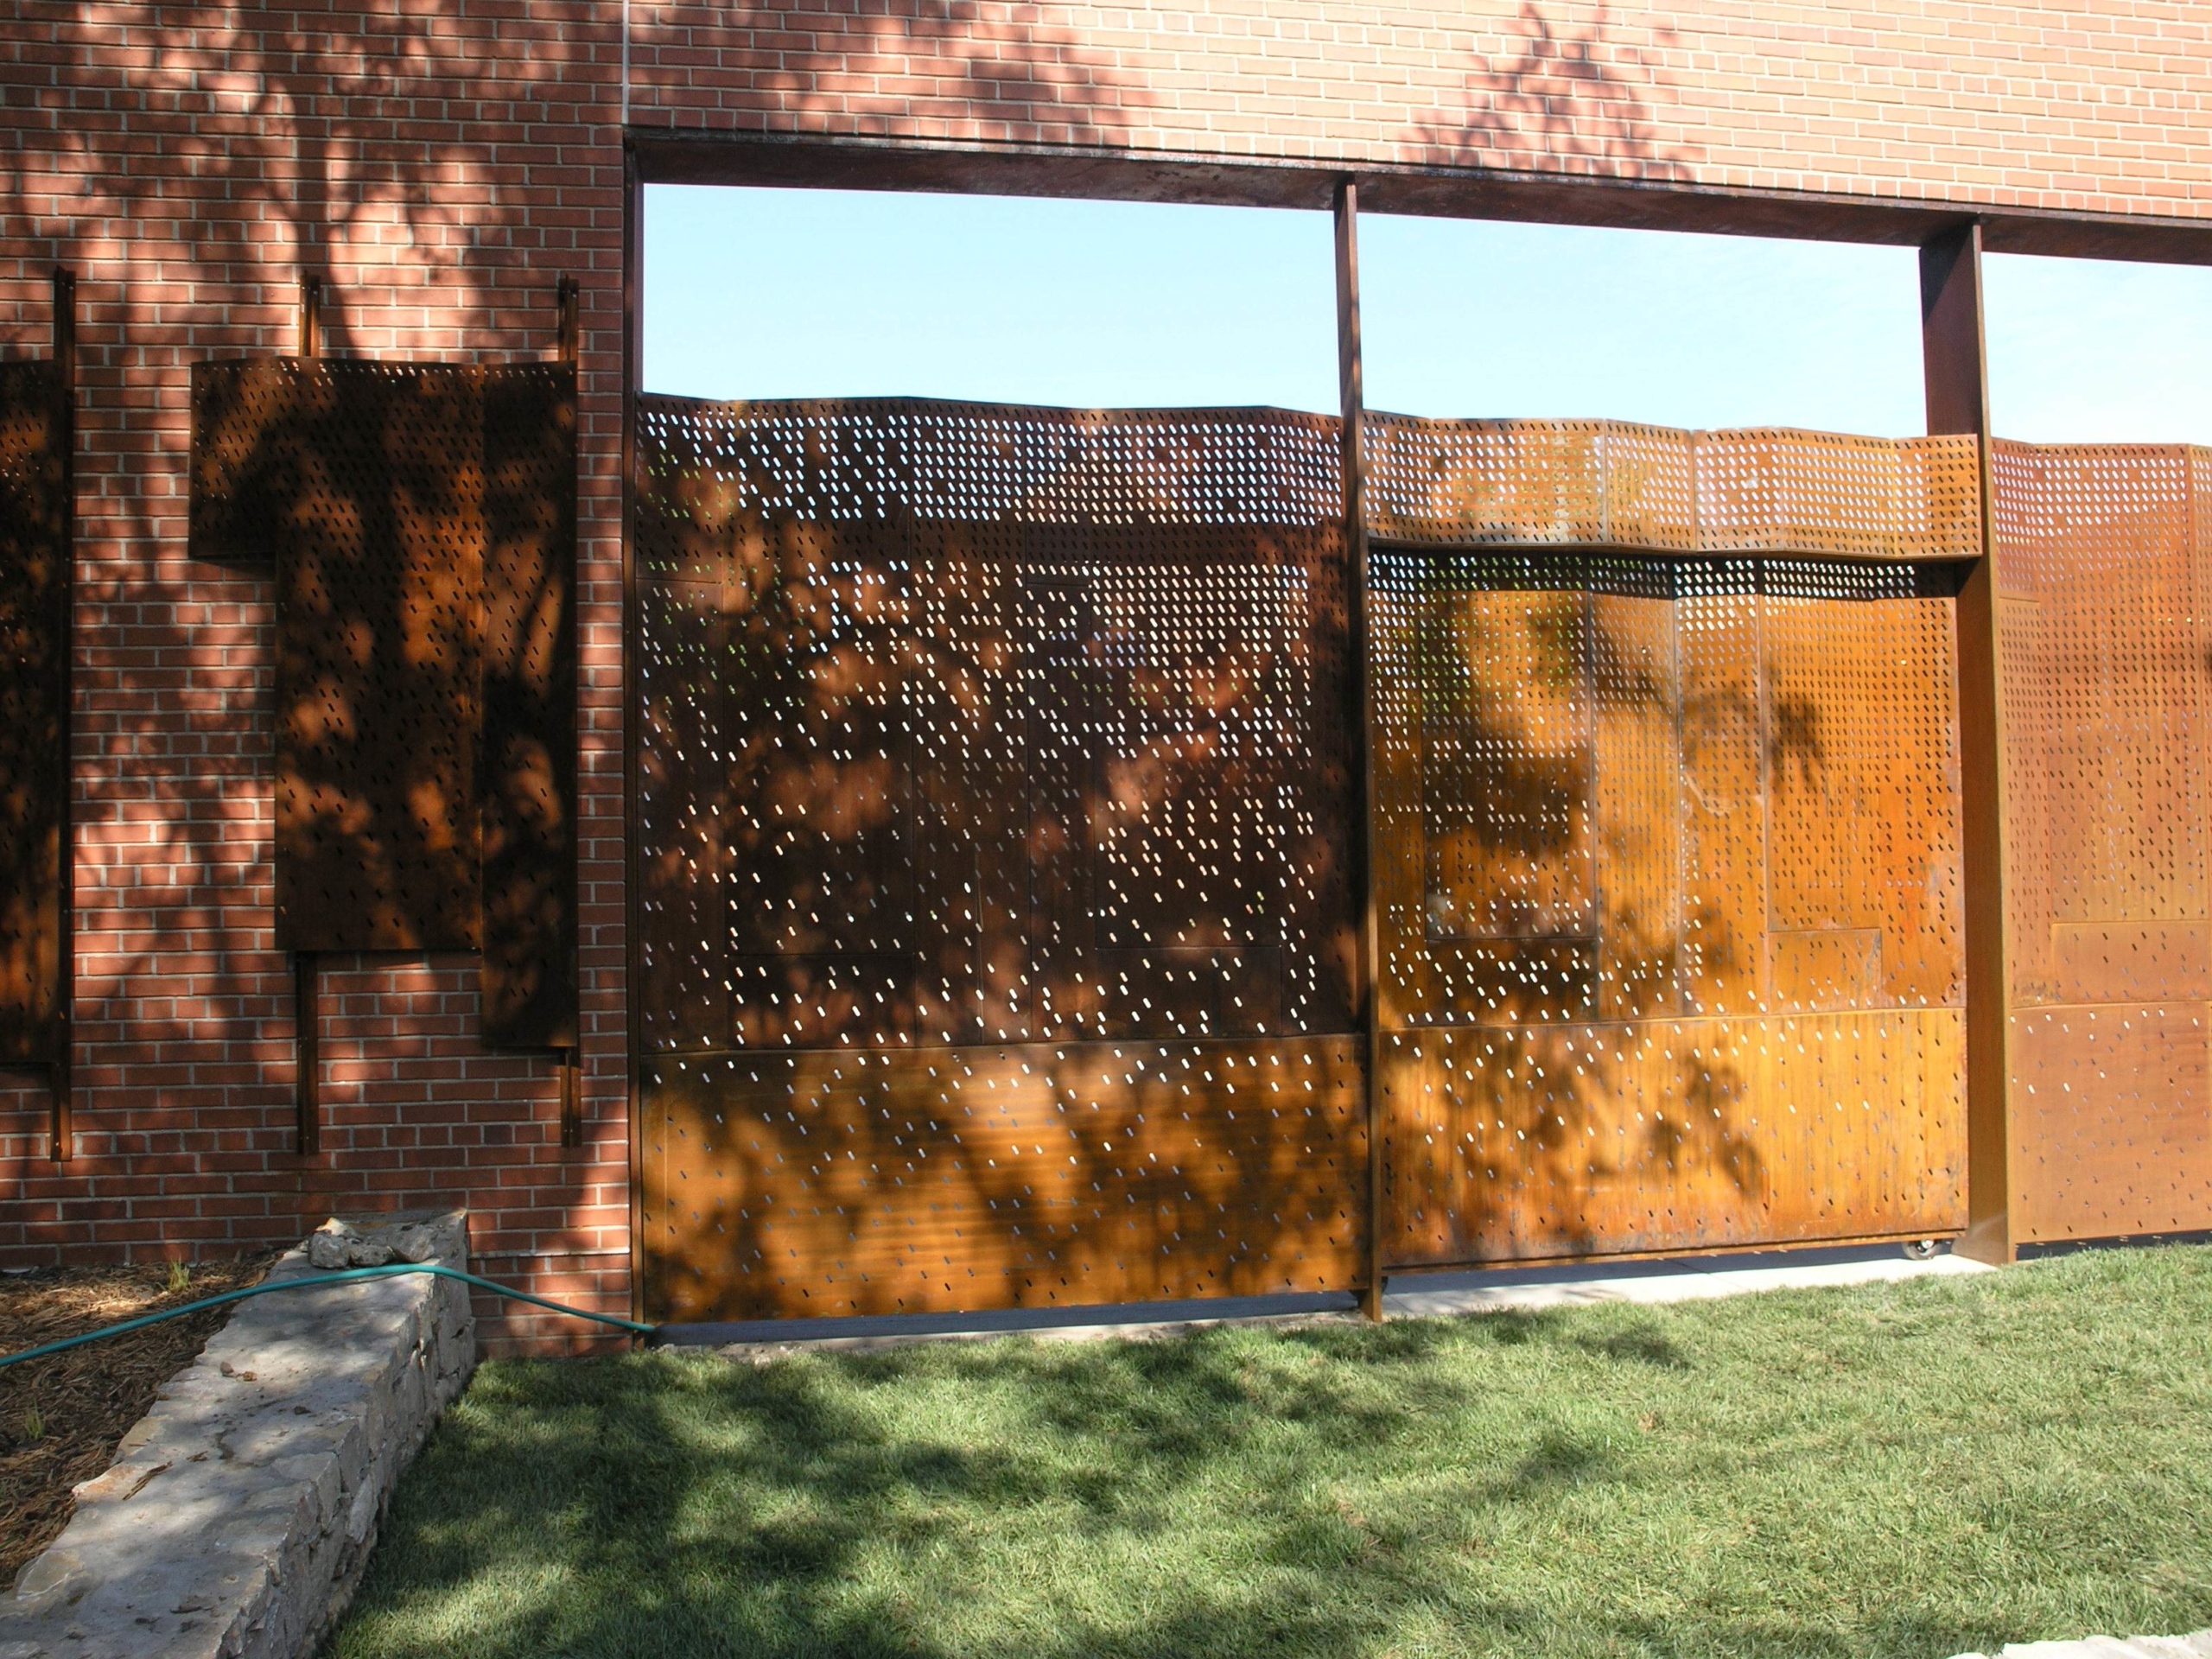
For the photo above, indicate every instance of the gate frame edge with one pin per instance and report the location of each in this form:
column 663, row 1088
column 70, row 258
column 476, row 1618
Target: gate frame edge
column 1956, row 373
column 633, row 256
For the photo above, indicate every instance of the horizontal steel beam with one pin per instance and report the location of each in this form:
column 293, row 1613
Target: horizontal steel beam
column 789, row 161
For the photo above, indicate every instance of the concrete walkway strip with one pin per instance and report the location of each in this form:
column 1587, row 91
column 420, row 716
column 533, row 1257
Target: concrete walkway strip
column 1461, row 1293
column 2199, row 1646
column 1415, row 1295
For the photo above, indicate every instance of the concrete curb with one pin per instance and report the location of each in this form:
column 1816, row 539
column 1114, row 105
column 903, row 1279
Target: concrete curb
column 239, row 1512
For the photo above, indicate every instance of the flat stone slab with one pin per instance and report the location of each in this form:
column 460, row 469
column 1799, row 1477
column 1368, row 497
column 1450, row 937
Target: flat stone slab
column 2199, row 1646
column 239, row 1513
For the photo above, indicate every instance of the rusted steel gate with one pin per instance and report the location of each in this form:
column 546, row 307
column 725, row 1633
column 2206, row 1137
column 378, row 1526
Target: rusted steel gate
column 2103, row 556
column 996, row 911
column 994, row 916
column 1667, row 836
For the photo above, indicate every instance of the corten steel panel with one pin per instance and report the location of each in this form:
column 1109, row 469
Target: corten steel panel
column 969, row 725
column 1611, row 484
column 1525, row 483
column 2102, row 557
column 2112, row 1119
column 912, row 780
column 1506, row 829
column 1533, row 1141
column 1863, row 878
column 681, row 948
column 1633, row 667
column 1685, row 969
column 421, row 518
column 842, row 1181
column 366, row 481
column 34, row 715
column 1725, row 747
column 528, row 754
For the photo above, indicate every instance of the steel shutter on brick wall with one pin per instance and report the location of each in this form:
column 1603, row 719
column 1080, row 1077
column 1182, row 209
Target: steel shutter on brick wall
column 35, row 553
column 421, row 522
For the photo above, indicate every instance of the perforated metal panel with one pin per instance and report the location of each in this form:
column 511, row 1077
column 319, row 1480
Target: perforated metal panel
column 1529, row 1141
column 421, row 521
column 528, row 754
column 2104, row 566
column 1611, row 484
column 1668, row 862
column 33, row 714
column 993, row 826
column 852, row 1181
column 965, row 727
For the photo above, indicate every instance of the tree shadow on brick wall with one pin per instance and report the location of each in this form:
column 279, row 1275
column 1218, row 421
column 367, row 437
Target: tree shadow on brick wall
column 1538, row 92
column 260, row 148
column 1558, row 97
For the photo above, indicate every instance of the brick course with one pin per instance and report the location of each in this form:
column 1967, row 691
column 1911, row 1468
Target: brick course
column 440, row 162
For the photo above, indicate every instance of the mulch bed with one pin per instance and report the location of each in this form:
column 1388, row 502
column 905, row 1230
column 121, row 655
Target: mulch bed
column 60, row 1417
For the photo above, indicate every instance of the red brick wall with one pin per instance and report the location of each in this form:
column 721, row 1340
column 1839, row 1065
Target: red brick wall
column 443, row 165
column 442, row 162
column 2074, row 104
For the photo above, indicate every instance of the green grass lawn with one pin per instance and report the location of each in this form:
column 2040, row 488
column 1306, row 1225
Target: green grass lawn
column 1908, row 1470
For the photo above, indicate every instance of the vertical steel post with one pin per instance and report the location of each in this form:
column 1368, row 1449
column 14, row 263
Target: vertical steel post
column 568, row 349
column 307, row 1048
column 310, row 340
column 65, row 434
column 307, row 999
column 568, row 330
column 1954, row 357
column 569, row 1063
column 633, row 270
column 1361, row 717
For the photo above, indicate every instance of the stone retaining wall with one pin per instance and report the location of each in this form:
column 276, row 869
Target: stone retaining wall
column 239, row 1511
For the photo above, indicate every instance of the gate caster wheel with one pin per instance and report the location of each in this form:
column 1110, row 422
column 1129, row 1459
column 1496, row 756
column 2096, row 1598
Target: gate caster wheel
column 1923, row 1249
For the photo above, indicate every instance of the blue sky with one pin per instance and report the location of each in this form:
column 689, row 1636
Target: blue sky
column 786, row 293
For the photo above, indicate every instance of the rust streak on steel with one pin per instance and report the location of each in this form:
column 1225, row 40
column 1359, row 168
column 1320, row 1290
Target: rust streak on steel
column 306, row 1049
column 570, row 1066
column 567, row 333
column 309, row 340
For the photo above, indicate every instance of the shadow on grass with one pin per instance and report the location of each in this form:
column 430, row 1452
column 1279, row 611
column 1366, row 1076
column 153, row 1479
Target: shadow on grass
column 659, row 1504
column 1646, row 1346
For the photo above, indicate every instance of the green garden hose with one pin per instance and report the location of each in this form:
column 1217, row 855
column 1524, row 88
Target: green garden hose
column 345, row 1277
